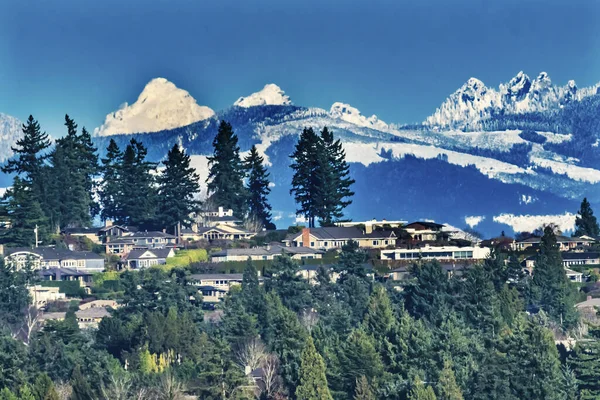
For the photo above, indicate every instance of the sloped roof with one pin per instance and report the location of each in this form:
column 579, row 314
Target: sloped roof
column 51, row 253
column 344, row 233
column 580, row 256
column 158, row 253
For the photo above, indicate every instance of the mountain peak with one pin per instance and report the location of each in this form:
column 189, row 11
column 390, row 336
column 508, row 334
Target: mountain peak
column 271, row 94
column 161, row 105
column 351, row 114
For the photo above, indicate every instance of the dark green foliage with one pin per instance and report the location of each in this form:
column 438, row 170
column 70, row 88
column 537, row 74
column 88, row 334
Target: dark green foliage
column 258, row 189
column 178, row 187
column 312, row 379
column 363, row 390
column 585, row 222
column 359, row 357
column 111, row 191
column 25, row 214
column 138, row 202
column 428, row 295
column 321, row 181
column 551, row 289
column 293, row 290
column 226, row 172
column 81, row 387
column 584, row 361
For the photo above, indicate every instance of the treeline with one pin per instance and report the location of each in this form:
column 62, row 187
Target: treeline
column 486, row 334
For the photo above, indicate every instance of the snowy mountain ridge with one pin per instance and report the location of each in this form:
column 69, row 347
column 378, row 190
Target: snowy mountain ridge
column 474, row 102
column 160, row 106
column 271, row 94
column 10, row 132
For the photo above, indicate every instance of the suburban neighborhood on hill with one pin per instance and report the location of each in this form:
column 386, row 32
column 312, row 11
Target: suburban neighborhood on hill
column 212, row 300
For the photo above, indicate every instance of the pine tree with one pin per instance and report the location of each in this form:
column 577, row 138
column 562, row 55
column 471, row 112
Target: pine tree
column 358, row 357
column 447, row 387
column 313, row 382
column 550, row 285
column 138, row 199
column 421, row 392
column 25, row 214
column 334, row 179
column 585, row 221
column 363, row 390
column 585, row 363
column 379, row 318
column 29, row 156
column 258, row 188
column 305, row 186
column 178, row 187
column 111, row 187
column 81, row 387
column 226, row 172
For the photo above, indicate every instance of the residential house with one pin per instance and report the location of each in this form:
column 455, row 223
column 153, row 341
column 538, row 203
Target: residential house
column 589, row 308
column 423, row 231
column 224, row 232
column 577, row 258
column 266, row 253
column 218, row 216
column 144, row 258
column 67, row 274
column 326, row 238
column 575, row 276
column 441, row 253
column 89, row 318
column 41, row 295
column 50, row 257
column 99, row 304
column 211, row 294
column 403, row 272
column 309, row 272
column 373, row 224
column 110, row 231
column 565, row 243
column 140, row 240
column 222, row 282
column 89, row 233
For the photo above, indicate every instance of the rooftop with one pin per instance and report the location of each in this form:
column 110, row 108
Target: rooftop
column 51, row 253
column 343, row 233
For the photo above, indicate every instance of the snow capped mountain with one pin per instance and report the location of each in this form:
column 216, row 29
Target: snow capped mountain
column 10, row 132
column 350, row 114
column 271, row 94
column 475, row 102
column 160, row 106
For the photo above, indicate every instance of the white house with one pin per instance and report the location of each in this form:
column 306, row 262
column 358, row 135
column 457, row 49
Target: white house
column 441, row 253
column 266, row 253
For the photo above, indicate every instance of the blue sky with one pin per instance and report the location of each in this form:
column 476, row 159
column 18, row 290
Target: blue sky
column 398, row 59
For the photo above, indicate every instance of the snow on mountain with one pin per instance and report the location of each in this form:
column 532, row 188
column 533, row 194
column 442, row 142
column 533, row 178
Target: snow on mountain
column 160, row 106
column 529, row 223
column 350, row 114
column 10, row 132
column 474, row 101
column 271, row 94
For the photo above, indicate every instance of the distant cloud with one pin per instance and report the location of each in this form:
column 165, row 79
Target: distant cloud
column 474, row 220
column 528, row 223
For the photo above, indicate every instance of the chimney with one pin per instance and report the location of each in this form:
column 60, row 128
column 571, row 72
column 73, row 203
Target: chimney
column 306, row 237
column 220, row 211
column 589, row 298
column 108, row 223
column 164, row 230
column 368, row 228
column 1, row 250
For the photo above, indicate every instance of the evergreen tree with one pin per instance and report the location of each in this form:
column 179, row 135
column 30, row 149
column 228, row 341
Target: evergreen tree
column 74, row 166
column 421, row 392
column 334, row 180
column 379, row 318
column 29, row 156
column 226, row 172
column 313, row 382
column 258, row 188
column 178, row 187
column 253, row 294
column 359, row 357
column 585, row 364
column 138, row 191
column 363, row 390
column 81, row 387
column 111, row 194
column 305, row 185
column 25, row 215
column 550, row 285
column 447, row 387
column 585, row 221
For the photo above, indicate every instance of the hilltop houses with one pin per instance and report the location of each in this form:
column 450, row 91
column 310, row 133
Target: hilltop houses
column 49, row 257
column 326, row 238
column 266, row 253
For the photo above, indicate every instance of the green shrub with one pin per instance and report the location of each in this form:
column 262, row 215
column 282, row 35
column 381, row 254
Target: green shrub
column 69, row 288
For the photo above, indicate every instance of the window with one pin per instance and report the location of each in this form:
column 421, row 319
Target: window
column 375, row 242
column 386, row 242
column 324, row 244
column 312, row 244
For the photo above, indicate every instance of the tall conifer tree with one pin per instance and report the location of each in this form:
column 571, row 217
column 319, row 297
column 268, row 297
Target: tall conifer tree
column 111, row 187
column 305, row 185
column 258, row 188
column 585, row 221
column 226, row 172
column 138, row 187
column 313, row 382
column 178, row 189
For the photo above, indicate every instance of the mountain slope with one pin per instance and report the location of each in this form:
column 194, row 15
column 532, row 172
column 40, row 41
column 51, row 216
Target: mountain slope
column 270, row 95
column 160, row 106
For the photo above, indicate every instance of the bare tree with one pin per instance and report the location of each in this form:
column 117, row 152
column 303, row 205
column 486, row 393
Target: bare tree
column 250, row 353
column 118, row 388
column 271, row 380
column 64, row 390
column 170, row 388
column 253, row 224
column 30, row 323
column 309, row 318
